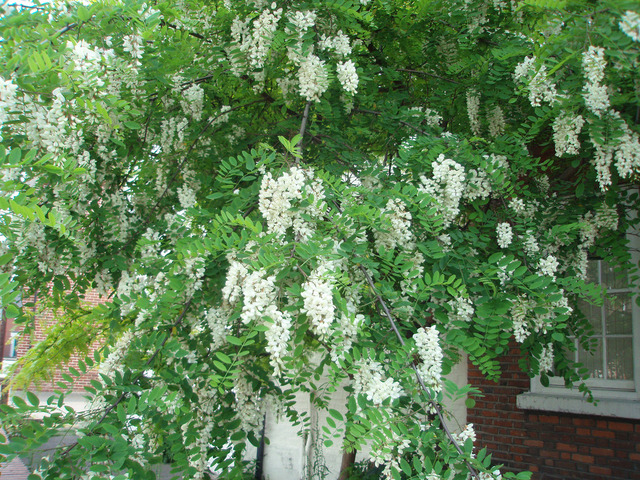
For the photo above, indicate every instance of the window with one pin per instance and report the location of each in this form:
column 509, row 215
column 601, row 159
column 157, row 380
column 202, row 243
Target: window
column 614, row 359
column 610, row 360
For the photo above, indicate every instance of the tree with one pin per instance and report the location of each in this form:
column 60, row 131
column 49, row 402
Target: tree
column 271, row 192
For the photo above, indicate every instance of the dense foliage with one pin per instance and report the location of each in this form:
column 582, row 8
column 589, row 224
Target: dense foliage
column 286, row 198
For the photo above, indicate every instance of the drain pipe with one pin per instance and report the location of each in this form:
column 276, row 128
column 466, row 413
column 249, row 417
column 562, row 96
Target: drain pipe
column 260, row 451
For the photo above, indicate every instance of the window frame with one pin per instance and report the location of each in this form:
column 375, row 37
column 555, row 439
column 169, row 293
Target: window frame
column 611, row 400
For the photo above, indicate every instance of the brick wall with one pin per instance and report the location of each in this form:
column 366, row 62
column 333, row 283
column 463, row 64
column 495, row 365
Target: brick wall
column 42, row 322
column 551, row 445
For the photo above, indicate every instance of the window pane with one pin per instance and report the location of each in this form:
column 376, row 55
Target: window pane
column 593, row 314
column 613, row 279
column 620, row 358
column 593, row 359
column 618, row 314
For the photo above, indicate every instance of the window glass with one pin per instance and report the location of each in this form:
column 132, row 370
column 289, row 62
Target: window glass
column 611, row 355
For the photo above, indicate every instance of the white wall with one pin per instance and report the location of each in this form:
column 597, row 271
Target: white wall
column 287, row 456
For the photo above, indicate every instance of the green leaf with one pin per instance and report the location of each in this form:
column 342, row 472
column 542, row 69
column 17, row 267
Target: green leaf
column 33, row 399
column 83, row 13
column 132, row 125
column 224, row 358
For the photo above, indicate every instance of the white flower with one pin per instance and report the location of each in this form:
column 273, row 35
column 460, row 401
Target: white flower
column 496, row 122
column 546, row 358
column 630, row 25
column 505, row 234
column 446, row 186
column 398, row 233
column 473, row 109
column 565, row 133
column 594, row 64
column 303, row 20
column 133, row 44
column 541, row 89
column 348, row 76
column 313, row 79
column 369, row 380
column 317, row 293
column 430, row 352
column 548, row 266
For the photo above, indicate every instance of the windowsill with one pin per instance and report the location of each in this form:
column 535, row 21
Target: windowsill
column 606, row 407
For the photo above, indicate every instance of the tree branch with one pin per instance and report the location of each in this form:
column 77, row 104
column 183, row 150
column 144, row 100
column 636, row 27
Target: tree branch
column 427, row 74
column 423, row 387
column 303, row 125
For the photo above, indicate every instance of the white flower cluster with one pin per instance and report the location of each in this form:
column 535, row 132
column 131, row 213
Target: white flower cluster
column 630, row 25
column 505, row 234
column 497, row 123
column 233, row 286
column 264, row 29
column 473, row 111
column 368, row 380
column 313, row 78
column 602, row 162
column 530, row 244
column 467, row 434
column 518, row 313
column 432, row 117
column 339, row 43
column 317, row 294
column 192, row 101
column 49, row 128
column 217, row 321
column 347, row 76
column 259, row 292
column 541, row 89
column 430, row 353
column 398, row 230
column 479, row 185
column 133, row 44
column 462, row 309
column 517, row 205
column 566, row 128
column 302, row 21
column 8, row 100
column 249, row 406
column 446, row 186
column 113, row 362
column 627, row 154
column 546, row 358
column 596, row 97
column 548, row 266
column 278, row 195
column 277, row 337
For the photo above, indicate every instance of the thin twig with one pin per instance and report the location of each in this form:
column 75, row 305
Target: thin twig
column 423, row 387
column 123, row 395
column 427, row 74
column 303, row 125
column 402, row 122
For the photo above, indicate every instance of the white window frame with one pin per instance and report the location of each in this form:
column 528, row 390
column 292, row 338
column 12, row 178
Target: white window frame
column 610, row 401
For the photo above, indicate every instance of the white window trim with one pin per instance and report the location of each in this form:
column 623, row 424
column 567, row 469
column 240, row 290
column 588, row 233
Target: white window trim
column 609, row 401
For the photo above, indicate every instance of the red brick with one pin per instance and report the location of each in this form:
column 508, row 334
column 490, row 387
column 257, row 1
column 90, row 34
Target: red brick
column 534, row 443
column 584, row 422
column 603, row 434
column 621, row 427
column 549, row 418
column 567, row 447
column 634, row 456
column 599, row 470
column 582, row 458
column 602, row 452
